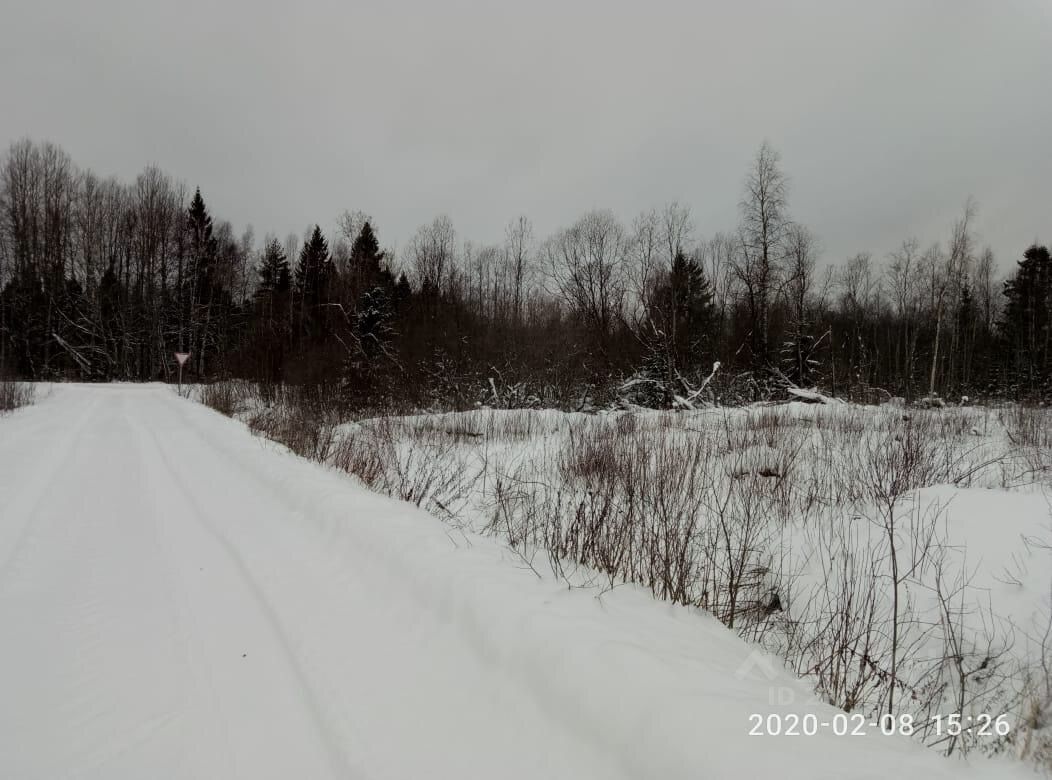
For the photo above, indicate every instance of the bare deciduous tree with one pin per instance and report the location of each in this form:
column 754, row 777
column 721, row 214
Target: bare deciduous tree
column 765, row 222
column 586, row 265
column 801, row 253
column 518, row 248
column 432, row 254
column 946, row 271
column 903, row 282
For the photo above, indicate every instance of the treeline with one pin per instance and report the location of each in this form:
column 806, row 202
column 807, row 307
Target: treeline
column 104, row 280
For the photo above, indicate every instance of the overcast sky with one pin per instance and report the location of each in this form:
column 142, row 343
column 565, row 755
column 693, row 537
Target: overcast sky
column 887, row 113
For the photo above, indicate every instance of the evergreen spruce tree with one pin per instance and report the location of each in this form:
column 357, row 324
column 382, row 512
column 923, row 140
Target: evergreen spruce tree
column 274, row 273
column 373, row 323
column 207, row 306
column 402, row 291
column 375, row 312
column 375, row 307
column 313, row 270
column 25, row 303
column 798, row 358
column 1026, row 325
column 314, row 274
column 681, row 315
column 366, row 260
column 682, row 309
column 203, row 250
column 272, row 310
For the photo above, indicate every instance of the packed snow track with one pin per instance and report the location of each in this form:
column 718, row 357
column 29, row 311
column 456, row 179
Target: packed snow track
column 180, row 599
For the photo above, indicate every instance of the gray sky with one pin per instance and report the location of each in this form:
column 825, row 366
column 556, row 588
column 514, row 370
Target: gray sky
column 887, row 114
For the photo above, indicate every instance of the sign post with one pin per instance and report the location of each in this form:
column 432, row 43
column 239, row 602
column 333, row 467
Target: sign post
column 181, row 357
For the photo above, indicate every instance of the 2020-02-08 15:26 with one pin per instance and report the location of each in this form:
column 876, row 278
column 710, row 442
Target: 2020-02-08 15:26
column 844, row 724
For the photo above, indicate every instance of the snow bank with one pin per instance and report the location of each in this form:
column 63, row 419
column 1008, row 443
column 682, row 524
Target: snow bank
column 664, row 692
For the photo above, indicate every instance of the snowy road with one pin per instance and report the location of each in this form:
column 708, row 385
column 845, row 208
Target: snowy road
column 179, row 599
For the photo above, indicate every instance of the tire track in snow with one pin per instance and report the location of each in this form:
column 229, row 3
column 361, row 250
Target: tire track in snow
column 86, row 615
column 194, row 657
column 26, row 502
column 338, row 759
column 427, row 600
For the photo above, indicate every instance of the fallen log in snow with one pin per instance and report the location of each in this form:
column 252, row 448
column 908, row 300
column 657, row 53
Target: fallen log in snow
column 810, row 396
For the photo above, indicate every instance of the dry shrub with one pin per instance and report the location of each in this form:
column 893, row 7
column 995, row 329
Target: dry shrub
column 626, row 424
column 596, row 453
column 225, row 396
column 410, row 462
column 649, row 506
column 505, row 425
column 367, row 454
column 14, row 395
column 769, row 422
column 1027, row 426
column 307, row 432
column 463, row 426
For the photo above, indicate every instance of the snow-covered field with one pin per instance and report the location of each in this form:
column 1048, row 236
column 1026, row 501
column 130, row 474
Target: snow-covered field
column 179, row 598
column 895, row 560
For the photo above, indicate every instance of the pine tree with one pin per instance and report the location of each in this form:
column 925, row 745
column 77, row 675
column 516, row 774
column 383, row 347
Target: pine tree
column 402, row 290
column 682, row 309
column 380, row 297
column 373, row 322
column 24, row 302
column 366, row 260
column 274, row 274
column 680, row 316
column 313, row 270
column 375, row 306
column 314, row 274
column 272, row 310
column 370, row 361
column 203, row 250
column 798, row 358
column 693, row 295
column 207, row 305
column 1026, row 324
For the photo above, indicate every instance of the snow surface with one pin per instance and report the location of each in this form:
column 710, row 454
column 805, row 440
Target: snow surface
column 181, row 599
